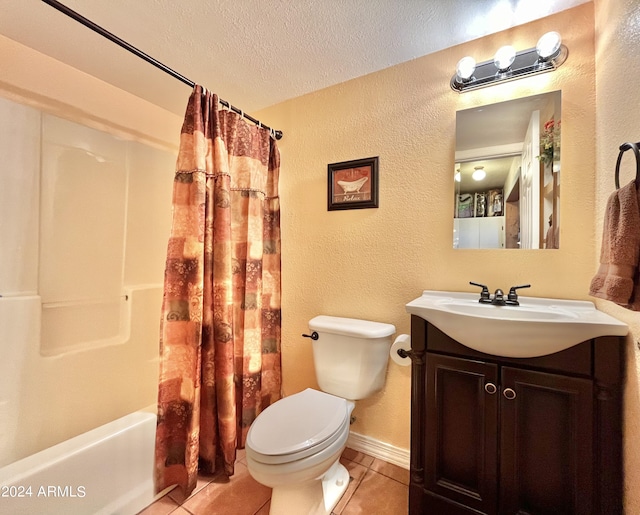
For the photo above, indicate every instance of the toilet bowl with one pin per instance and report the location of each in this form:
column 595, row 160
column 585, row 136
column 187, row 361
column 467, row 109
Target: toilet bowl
column 294, row 445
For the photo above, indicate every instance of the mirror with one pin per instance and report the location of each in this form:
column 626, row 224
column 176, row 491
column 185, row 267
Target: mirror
column 507, row 174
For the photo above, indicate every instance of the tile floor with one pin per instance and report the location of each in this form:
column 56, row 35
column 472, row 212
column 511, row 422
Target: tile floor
column 376, row 488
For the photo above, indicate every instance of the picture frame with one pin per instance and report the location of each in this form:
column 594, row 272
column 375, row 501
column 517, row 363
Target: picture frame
column 353, row 184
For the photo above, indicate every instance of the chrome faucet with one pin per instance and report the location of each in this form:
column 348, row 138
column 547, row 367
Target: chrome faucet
column 498, row 296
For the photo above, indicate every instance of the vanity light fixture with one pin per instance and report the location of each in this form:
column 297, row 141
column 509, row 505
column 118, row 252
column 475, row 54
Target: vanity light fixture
column 508, row 64
column 457, row 176
column 478, row 173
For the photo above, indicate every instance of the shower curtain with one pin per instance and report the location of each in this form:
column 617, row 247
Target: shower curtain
column 220, row 328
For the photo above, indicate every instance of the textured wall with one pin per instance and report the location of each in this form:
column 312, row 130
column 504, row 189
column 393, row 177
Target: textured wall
column 618, row 120
column 369, row 263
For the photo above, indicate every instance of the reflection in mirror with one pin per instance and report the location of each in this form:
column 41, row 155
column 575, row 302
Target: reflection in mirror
column 507, row 174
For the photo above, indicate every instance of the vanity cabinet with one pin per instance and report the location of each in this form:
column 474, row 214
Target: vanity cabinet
column 493, row 435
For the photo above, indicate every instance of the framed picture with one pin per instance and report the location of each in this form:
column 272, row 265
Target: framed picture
column 353, row 184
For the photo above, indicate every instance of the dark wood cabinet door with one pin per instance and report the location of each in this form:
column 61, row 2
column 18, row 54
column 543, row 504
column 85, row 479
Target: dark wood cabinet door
column 461, row 435
column 546, row 444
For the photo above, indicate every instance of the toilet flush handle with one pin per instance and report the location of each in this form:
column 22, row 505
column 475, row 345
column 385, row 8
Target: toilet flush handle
column 313, row 335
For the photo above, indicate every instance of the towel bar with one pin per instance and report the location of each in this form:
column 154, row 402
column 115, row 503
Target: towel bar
column 623, row 148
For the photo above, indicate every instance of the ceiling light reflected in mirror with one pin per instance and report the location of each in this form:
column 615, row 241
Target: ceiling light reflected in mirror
column 478, row 173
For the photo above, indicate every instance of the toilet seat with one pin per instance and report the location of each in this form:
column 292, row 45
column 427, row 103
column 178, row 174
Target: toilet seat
column 297, row 426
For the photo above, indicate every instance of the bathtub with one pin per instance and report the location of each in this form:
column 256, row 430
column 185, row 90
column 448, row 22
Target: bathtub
column 108, row 470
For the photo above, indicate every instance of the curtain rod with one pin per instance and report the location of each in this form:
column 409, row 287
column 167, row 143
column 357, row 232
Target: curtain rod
column 115, row 39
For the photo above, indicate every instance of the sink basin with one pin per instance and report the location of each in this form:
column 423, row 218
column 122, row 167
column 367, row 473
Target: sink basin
column 536, row 327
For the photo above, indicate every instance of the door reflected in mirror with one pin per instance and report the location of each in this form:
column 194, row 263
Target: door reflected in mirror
column 507, row 174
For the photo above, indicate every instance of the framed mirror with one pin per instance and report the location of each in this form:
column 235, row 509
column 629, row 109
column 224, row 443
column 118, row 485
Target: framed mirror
column 507, row 174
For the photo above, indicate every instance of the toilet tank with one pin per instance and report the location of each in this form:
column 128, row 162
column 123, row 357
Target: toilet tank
column 350, row 355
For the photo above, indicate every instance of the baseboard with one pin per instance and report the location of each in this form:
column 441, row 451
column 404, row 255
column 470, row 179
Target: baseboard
column 378, row 449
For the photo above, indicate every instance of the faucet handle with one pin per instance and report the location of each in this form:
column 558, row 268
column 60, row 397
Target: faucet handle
column 512, row 291
column 484, row 294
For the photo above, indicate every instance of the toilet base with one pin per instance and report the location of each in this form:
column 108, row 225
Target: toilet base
column 317, row 497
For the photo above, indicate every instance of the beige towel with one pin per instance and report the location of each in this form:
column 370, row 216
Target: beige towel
column 617, row 277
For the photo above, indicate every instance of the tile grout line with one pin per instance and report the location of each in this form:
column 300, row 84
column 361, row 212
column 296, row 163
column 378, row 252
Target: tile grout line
column 358, row 483
column 368, row 469
column 265, row 503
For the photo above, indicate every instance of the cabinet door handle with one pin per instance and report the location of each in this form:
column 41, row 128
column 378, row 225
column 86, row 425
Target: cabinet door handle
column 509, row 393
column 490, row 388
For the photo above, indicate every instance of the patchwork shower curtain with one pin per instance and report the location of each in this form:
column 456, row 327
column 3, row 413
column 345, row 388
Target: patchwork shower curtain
column 220, row 329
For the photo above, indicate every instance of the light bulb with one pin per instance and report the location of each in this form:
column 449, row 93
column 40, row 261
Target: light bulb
column 548, row 45
column 457, row 175
column 478, row 173
column 504, row 57
column 465, row 68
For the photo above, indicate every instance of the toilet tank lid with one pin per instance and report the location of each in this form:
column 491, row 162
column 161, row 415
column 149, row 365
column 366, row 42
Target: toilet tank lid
column 351, row 327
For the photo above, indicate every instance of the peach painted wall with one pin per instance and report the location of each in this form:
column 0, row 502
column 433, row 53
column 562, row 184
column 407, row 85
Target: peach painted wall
column 369, row 263
column 618, row 121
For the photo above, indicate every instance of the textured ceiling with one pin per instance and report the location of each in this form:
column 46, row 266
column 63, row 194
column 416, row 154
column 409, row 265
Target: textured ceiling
column 256, row 53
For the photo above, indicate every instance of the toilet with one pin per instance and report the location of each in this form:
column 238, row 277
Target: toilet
column 294, row 445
